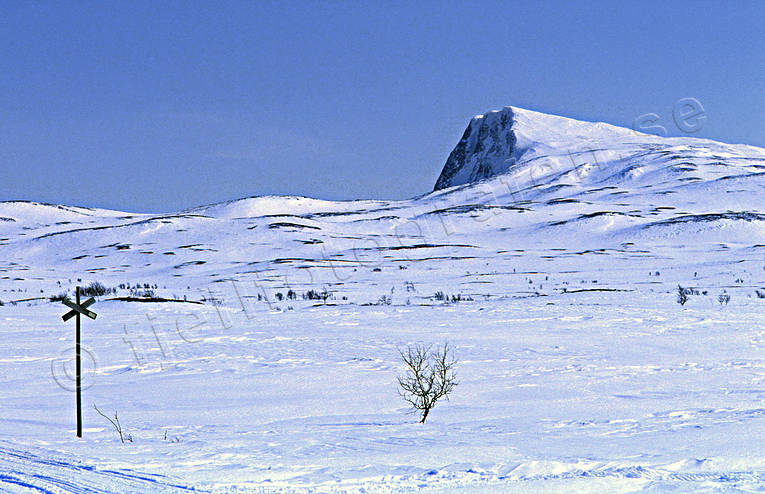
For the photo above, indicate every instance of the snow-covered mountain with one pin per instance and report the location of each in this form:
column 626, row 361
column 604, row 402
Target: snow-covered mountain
column 549, row 254
column 516, row 175
column 516, row 140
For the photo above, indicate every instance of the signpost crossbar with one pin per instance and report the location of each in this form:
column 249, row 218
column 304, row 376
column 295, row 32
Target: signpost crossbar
column 78, row 308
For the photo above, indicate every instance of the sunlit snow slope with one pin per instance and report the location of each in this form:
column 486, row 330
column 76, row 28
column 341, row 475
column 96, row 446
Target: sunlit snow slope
column 543, row 179
column 558, row 245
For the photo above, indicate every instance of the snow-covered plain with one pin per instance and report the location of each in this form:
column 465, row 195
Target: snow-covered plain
column 578, row 369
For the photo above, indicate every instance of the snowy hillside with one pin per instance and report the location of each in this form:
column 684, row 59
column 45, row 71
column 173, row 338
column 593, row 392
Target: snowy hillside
column 549, row 254
column 514, row 139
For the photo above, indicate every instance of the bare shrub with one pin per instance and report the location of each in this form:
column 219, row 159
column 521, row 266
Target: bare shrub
column 682, row 295
column 146, row 293
column 117, row 426
column 59, row 298
column 429, row 376
column 95, row 289
column 324, row 295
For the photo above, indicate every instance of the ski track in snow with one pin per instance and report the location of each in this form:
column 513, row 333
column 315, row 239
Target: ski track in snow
column 23, row 471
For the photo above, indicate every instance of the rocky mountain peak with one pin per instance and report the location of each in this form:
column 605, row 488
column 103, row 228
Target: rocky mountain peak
column 486, row 149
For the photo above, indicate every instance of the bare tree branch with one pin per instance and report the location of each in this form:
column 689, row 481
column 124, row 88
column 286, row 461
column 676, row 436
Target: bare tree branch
column 429, row 376
column 116, row 424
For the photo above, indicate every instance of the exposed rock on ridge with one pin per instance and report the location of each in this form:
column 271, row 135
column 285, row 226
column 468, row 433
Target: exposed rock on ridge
column 486, row 149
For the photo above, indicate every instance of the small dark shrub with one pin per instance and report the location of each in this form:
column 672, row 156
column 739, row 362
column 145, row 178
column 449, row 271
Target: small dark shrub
column 95, row 289
column 143, row 293
column 682, row 296
column 311, row 295
column 324, row 295
column 59, row 297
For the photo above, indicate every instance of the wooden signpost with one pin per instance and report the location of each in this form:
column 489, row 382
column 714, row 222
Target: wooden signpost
column 78, row 309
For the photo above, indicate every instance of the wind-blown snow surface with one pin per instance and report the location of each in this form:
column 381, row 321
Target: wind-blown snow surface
column 579, row 371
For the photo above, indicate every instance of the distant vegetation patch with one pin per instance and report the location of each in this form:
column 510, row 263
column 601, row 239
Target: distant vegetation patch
column 561, row 201
column 96, row 289
column 287, row 224
column 698, row 218
column 154, row 300
column 469, row 208
column 190, row 263
column 59, row 297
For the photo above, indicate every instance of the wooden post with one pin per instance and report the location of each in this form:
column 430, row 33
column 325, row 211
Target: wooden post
column 78, row 370
column 77, row 310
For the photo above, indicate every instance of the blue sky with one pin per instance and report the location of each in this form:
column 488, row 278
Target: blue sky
column 159, row 106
